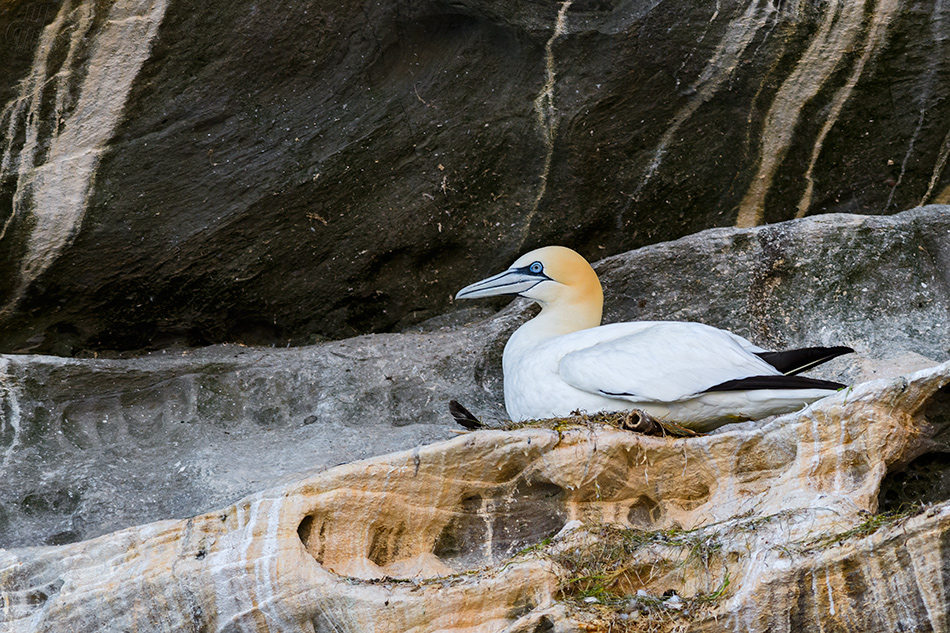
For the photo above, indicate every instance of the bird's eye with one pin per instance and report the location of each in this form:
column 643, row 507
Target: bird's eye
column 536, row 267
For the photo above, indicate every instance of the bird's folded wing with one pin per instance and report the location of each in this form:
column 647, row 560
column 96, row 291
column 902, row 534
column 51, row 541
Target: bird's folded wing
column 662, row 364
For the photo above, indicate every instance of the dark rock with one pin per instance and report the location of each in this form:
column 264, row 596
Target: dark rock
column 285, row 174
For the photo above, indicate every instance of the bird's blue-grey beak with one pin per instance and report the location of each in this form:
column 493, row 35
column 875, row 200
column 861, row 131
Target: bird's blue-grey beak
column 511, row 282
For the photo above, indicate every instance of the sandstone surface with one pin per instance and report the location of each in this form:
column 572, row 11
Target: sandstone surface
column 474, row 534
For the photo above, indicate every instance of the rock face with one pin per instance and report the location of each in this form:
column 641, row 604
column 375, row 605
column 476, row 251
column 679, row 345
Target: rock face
column 173, row 175
column 91, row 446
column 433, row 538
column 181, row 174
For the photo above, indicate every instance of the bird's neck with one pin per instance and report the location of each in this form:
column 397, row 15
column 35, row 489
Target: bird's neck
column 557, row 319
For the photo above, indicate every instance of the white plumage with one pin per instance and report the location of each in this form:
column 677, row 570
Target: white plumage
column 698, row 376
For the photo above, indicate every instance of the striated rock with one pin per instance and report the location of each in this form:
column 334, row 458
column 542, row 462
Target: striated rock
column 890, row 579
column 90, row 446
column 173, row 174
column 432, row 538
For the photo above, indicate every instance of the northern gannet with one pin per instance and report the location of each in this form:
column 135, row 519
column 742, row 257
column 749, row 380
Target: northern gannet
column 563, row 360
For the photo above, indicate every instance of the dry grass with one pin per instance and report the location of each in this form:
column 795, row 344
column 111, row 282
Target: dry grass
column 871, row 524
column 635, row 420
column 620, row 579
column 628, row 580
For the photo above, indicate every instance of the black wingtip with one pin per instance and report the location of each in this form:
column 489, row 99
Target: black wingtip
column 776, row 382
column 795, row 361
column 464, row 417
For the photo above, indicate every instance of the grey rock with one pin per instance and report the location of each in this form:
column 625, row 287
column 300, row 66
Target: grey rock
column 92, row 445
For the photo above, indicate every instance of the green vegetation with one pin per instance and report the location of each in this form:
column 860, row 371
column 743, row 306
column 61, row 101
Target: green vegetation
column 627, row 580
column 871, row 524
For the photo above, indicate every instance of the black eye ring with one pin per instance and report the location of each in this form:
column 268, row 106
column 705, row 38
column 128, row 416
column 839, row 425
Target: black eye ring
column 536, row 268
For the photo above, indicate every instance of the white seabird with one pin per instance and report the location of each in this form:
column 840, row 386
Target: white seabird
column 563, row 360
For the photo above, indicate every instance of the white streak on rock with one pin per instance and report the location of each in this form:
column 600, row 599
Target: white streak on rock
column 933, row 590
column 724, row 61
column 884, row 12
column 938, row 26
column 922, row 114
column 54, row 175
column 938, row 168
column 24, row 111
column 831, row 593
column 545, row 110
column 842, row 25
column 544, row 102
column 9, row 410
column 935, row 30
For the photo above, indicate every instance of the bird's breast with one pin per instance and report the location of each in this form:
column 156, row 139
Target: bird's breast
column 534, row 388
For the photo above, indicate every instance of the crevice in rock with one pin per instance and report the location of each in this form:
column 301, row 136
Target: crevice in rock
column 644, row 512
column 545, row 625
column 592, row 6
column 926, row 478
column 533, row 624
column 311, row 534
column 487, row 529
column 937, row 412
column 758, row 455
column 386, row 544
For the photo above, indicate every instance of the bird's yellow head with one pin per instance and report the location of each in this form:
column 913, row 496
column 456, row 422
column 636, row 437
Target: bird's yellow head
column 557, row 278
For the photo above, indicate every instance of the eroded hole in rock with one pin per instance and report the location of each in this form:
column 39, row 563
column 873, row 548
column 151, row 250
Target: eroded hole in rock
column 386, row 543
column 692, row 493
column 324, row 622
column 489, row 528
column 303, row 530
column 937, row 413
column 312, row 534
column 545, row 625
column 644, row 512
column 924, row 480
column 39, row 595
column 63, row 538
column 56, row 502
column 520, row 608
column 758, row 455
column 533, row 512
